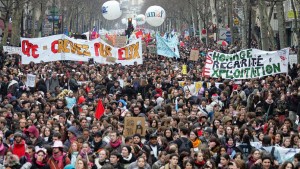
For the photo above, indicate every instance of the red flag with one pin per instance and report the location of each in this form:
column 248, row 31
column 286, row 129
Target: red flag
column 106, row 36
column 139, row 34
column 100, row 110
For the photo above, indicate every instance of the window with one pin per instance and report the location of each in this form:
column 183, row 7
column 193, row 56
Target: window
column 275, row 16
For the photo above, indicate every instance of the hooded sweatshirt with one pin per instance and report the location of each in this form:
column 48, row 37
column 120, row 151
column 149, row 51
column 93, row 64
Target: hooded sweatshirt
column 39, row 140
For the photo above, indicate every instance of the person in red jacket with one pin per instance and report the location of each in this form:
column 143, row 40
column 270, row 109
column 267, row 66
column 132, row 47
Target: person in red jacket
column 19, row 146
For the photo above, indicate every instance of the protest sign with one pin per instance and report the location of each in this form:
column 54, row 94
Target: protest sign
column 61, row 47
column 293, row 59
column 12, row 50
column 152, row 49
column 194, row 55
column 134, row 125
column 120, row 41
column 167, row 46
column 30, row 81
column 184, row 69
column 246, row 64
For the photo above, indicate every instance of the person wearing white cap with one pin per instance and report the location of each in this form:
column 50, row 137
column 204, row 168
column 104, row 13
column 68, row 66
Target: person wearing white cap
column 59, row 159
column 39, row 161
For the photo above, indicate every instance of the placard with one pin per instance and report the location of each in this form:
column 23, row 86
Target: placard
column 12, row 50
column 293, row 59
column 152, row 49
column 120, row 41
column 134, row 125
column 30, row 81
column 194, row 55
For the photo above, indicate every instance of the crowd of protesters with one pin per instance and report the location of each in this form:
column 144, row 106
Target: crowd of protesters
column 52, row 125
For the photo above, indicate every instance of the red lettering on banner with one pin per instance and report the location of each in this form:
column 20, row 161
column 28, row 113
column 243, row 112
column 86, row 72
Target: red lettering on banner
column 208, row 60
column 27, row 47
column 96, row 47
column 206, row 72
column 53, row 47
column 102, row 50
column 120, row 53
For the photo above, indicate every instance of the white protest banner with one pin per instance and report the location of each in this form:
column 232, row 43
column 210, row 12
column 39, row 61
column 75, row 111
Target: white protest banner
column 12, row 50
column 246, row 64
column 120, row 41
column 198, row 85
column 167, row 46
column 61, row 47
column 30, row 81
column 39, row 49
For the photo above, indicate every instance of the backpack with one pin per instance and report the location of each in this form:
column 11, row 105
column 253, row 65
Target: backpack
column 184, row 146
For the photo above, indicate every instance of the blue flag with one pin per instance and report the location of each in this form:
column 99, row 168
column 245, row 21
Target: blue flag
column 167, row 46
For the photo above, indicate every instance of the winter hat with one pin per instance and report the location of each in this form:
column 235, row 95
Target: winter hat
column 69, row 166
column 8, row 133
column 73, row 130
column 128, row 148
column 58, row 144
column 11, row 160
column 123, row 102
column 214, row 96
column 38, row 149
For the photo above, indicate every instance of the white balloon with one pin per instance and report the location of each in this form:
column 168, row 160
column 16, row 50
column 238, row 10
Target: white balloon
column 124, row 21
column 155, row 16
column 140, row 19
column 111, row 10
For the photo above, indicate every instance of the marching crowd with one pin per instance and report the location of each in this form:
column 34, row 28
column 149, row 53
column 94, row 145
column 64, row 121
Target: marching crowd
column 53, row 125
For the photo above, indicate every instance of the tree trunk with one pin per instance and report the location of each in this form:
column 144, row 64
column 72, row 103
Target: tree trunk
column 230, row 21
column 199, row 20
column 213, row 11
column 6, row 25
column 253, row 29
column 263, row 25
column 245, row 23
column 41, row 17
column 281, row 24
column 295, row 30
column 16, row 25
column 33, row 20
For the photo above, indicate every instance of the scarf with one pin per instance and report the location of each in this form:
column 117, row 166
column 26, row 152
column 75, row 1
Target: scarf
column 200, row 164
column 73, row 139
column 229, row 149
column 40, row 163
column 84, row 154
column 128, row 158
column 115, row 144
column 1, row 147
column 74, row 157
column 196, row 143
column 59, row 158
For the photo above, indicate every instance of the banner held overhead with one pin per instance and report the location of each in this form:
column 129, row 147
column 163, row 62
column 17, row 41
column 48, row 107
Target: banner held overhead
column 61, row 47
column 250, row 63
